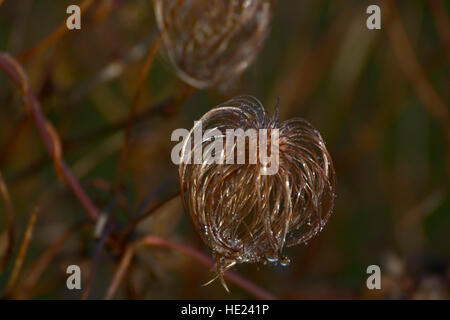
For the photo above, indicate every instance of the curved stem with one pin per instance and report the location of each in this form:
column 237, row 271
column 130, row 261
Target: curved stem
column 9, row 211
column 154, row 241
column 46, row 131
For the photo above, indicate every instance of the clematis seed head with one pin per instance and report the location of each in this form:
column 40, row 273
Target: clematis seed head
column 243, row 215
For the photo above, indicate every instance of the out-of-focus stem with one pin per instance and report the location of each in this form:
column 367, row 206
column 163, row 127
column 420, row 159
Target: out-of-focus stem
column 58, row 33
column 9, row 211
column 41, row 264
column 135, row 104
column 154, row 241
column 46, row 132
column 414, row 73
column 22, row 252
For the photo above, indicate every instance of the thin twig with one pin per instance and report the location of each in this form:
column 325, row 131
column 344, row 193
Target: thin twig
column 46, row 131
column 17, row 267
column 9, row 211
column 153, row 241
column 43, row 261
column 96, row 260
column 108, row 73
column 414, row 73
column 163, row 109
column 153, row 50
column 146, row 214
column 135, row 104
column 118, row 276
column 58, row 33
column 103, row 234
column 295, row 89
column 442, row 23
column 411, row 67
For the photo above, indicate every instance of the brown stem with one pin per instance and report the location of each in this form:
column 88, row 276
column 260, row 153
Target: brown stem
column 58, row 33
column 153, row 241
column 17, row 267
column 46, row 132
column 163, row 109
column 153, row 50
column 96, row 261
column 41, row 264
column 120, row 273
column 414, row 73
column 442, row 23
column 9, row 211
column 135, row 104
column 146, row 214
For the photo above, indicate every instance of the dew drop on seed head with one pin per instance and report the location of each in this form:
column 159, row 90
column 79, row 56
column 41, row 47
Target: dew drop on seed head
column 285, row 261
column 271, row 259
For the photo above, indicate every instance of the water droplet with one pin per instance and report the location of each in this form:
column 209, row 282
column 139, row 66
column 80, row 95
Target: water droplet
column 271, row 260
column 285, row 261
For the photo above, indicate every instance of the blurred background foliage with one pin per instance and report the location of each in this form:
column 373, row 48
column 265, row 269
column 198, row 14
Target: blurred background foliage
column 390, row 151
